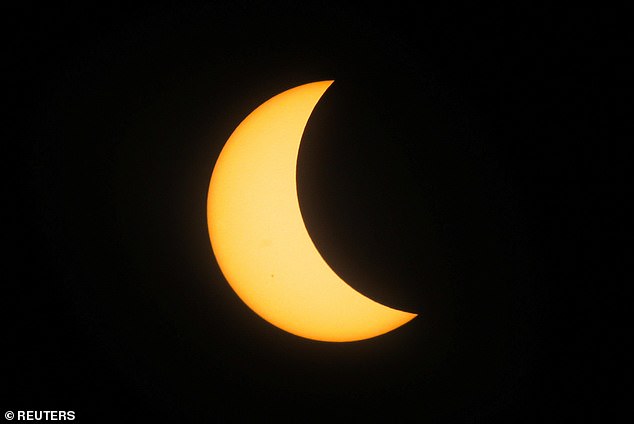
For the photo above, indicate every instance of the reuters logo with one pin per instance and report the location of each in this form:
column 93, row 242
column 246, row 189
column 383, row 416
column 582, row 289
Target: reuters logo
column 40, row 415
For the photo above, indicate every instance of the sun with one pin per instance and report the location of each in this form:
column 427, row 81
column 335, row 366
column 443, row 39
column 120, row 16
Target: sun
column 259, row 237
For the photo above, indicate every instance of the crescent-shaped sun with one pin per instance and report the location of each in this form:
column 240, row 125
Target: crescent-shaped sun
column 259, row 237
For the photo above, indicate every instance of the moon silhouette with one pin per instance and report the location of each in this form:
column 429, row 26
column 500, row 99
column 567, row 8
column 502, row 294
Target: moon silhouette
column 259, row 237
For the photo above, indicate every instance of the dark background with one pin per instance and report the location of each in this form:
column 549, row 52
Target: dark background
column 448, row 171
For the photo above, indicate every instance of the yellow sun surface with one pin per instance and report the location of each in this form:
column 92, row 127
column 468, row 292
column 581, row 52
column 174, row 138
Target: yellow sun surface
column 259, row 238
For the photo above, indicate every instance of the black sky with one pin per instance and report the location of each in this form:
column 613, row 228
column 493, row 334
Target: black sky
column 455, row 168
